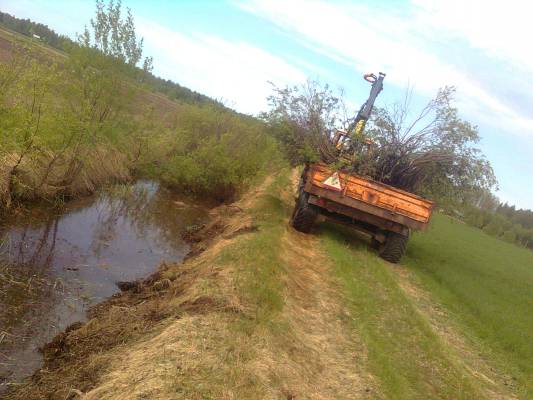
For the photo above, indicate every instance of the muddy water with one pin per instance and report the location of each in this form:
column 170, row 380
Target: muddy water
column 55, row 265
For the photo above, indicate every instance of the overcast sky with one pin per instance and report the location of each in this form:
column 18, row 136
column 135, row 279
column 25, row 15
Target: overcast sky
column 231, row 49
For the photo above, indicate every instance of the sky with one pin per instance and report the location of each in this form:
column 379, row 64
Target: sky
column 232, row 49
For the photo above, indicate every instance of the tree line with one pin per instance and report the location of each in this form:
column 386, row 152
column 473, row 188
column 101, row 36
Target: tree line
column 503, row 221
column 29, row 28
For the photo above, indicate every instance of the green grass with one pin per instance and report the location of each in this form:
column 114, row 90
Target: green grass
column 261, row 288
column 404, row 354
column 486, row 284
column 257, row 257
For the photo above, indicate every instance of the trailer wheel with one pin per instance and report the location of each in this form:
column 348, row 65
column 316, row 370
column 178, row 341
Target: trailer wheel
column 394, row 247
column 375, row 244
column 304, row 214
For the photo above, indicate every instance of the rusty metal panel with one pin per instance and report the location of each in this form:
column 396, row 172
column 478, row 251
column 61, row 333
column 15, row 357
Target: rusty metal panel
column 372, row 197
column 356, row 214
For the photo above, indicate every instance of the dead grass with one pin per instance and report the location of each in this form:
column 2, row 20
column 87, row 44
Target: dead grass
column 46, row 175
column 333, row 363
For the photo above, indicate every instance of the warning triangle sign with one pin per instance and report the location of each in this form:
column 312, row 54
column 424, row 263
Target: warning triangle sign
column 333, row 182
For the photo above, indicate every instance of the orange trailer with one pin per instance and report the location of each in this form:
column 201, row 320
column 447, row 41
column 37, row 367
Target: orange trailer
column 386, row 213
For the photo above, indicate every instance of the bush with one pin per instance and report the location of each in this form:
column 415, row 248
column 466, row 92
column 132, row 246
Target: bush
column 61, row 125
column 509, row 236
column 215, row 153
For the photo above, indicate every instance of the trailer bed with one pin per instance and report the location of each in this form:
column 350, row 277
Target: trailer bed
column 357, row 196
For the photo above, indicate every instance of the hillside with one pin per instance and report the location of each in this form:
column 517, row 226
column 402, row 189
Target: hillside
column 51, row 42
column 262, row 311
column 156, row 97
column 78, row 121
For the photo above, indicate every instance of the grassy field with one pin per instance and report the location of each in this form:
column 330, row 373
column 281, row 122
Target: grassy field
column 486, row 284
column 481, row 285
column 403, row 353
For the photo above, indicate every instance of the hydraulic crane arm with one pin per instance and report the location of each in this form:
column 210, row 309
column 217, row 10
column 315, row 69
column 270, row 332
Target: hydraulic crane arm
column 364, row 113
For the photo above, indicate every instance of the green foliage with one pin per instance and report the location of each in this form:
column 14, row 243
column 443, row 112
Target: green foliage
column 215, row 152
column 502, row 221
column 176, row 91
column 494, row 227
column 520, row 217
column 510, row 236
column 432, row 153
column 113, row 35
column 300, row 116
column 66, row 130
column 58, row 121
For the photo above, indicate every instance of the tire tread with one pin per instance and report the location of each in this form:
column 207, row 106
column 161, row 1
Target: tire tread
column 394, row 247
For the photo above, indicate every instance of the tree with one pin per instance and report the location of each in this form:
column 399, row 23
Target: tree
column 114, row 35
column 148, row 65
column 301, row 115
column 432, row 154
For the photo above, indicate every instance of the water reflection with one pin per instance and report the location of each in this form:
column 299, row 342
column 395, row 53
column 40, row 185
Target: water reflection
column 61, row 264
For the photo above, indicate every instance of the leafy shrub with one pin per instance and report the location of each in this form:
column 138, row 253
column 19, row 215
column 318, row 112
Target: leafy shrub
column 215, row 152
column 60, row 125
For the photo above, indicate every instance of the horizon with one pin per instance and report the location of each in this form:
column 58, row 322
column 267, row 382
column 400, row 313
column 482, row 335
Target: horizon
column 250, row 43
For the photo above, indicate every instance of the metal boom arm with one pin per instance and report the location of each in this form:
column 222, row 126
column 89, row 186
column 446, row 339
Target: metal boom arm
column 364, row 113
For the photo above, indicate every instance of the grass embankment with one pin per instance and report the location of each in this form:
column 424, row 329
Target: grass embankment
column 267, row 312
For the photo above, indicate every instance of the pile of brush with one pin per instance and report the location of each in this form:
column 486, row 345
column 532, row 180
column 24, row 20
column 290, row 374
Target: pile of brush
column 434, row 148
column 402, row 163
column 429, row 153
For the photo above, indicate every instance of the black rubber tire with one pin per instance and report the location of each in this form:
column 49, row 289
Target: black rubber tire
column 375, row 244
column 394, row 247
column 304, row 214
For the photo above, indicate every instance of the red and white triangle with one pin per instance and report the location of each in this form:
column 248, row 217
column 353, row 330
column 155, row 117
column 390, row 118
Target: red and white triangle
column 333, row 182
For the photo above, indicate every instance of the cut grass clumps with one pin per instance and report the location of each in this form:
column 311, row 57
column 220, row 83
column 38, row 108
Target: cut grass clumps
column 487, row 286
